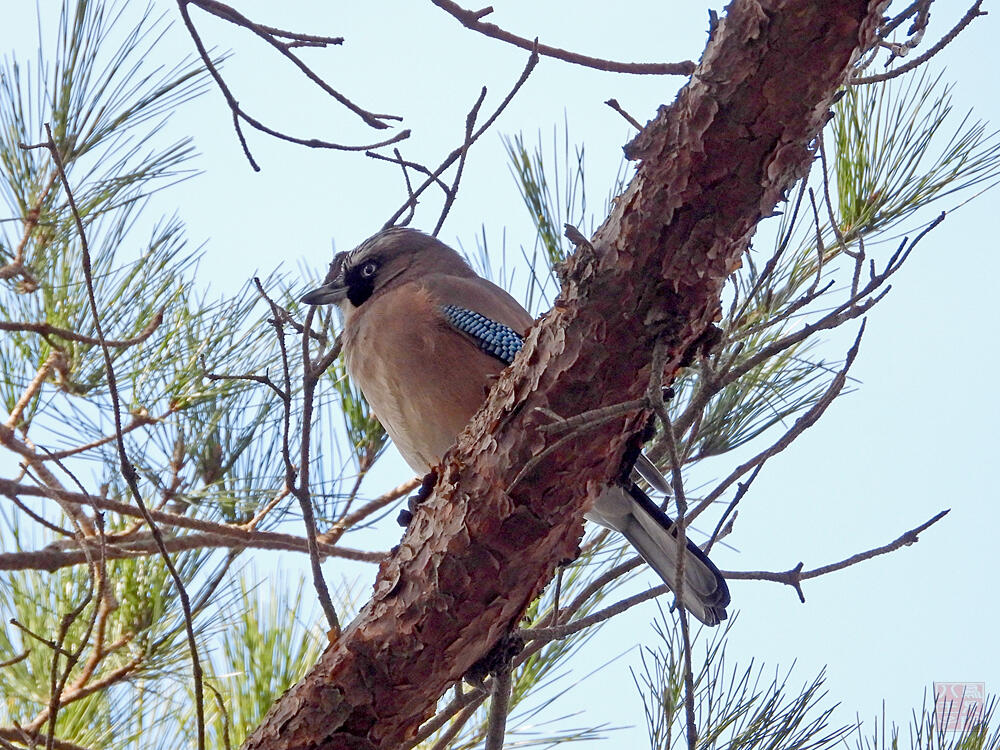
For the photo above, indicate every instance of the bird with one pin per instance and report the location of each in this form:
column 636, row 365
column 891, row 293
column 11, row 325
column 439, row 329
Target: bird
column 424, row 337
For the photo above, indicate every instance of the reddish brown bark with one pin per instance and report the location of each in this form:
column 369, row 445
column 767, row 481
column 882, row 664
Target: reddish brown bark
column 479, row 551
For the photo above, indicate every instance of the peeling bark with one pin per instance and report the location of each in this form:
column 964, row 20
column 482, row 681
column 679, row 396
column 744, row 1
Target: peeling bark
column 479, row 550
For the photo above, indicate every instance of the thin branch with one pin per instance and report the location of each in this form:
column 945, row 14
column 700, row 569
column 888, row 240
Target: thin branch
column 577, row 425
column 45, row 477
column 238, row 536
column 268, row 34
column 803, row 423
column 32, row 739
column 499, row 708
column 593, row 587
column 850, row 309
column 689, row 717
column 654, row 392
column 262, row 513
column 311, row 374
column 46, row 329
column 39, row 520
column 772, row 262
column 559, row 632
column 53, row 645
column 970, row 15
column 409, row 165
column 16, row 266
column 473, row 20
column 834, row 224
column 239, row 113
column 106, row 681
column 127, row 470
column 51, row 559
column 55, row 358
column 349, row 521
column 796, row 575
column 15, row 659
column 741, row 490
column 260, row 379
column 613, row 103
column 138, row 420
column 434, row 177
column 406, row 180
column 470, row 124
column 474, row 699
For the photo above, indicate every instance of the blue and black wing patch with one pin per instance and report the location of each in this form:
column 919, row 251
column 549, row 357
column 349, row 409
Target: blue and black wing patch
column 494, row 338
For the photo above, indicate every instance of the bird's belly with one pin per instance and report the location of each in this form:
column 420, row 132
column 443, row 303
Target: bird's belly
column 423, row 401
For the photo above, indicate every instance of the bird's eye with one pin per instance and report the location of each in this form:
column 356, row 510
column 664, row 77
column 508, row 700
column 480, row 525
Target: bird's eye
column 368, row 269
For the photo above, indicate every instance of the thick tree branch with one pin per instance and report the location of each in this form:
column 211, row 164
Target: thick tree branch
column 474, row 556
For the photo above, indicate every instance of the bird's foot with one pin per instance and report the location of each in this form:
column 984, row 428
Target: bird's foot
column 496, row 659
column 423, row 492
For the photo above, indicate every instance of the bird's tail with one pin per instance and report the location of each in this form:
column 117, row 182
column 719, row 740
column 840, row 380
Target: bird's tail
column 654, row 536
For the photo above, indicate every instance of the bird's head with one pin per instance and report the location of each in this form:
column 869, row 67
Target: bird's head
column 391, row 257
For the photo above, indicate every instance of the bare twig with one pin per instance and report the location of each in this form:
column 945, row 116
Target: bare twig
column 52, row 558
column 16, row 266
column 594, row 417
column 465, row 711
column 352, row 519
column 240, row 535
column 32, row 460
column 576, row 425
column 772, row 262
column 559, row 632
column 434, row 176
column 127, row 470
column 15, row 659
column 262, row 513
column 261, row 379
column 473, row 20
column 854, row 307
column 269, row 35
column 54, row 358
column 499, row 708
column 804, row 422
column 654, row 392
column 52, row 645
column 33, row 739
column 406, row 180
column 39, row 520
column 741, row 490
column 311, row 373
column 689, row 718
column 613, row 103
column 591, row 588
column 470, row 124
column 796, row 575
column 834, row 224
column 409, row 165
column 46, row 329
column 970, row 15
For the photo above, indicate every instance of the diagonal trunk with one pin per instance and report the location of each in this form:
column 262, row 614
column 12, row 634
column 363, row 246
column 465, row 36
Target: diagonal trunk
column 712, row 164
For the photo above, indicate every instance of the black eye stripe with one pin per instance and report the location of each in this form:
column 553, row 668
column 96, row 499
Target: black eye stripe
column 360, row 280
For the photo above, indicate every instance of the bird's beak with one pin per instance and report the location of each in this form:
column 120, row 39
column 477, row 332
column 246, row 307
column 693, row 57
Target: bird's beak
column 329, row 294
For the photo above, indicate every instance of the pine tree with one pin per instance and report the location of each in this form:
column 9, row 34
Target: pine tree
column 159, row 436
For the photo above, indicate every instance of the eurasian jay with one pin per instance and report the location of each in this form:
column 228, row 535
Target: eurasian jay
column 424, row 337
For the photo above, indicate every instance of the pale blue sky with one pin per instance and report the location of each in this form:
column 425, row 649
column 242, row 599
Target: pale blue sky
column 916, row 436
